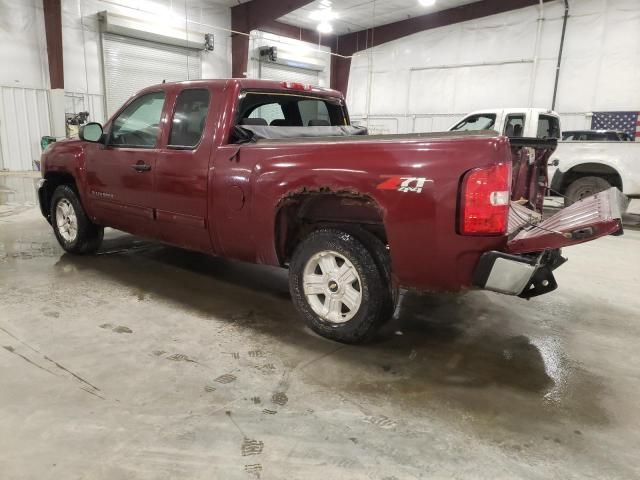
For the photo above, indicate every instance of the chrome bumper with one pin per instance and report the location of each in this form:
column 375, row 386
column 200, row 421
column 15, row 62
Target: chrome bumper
column 523, row 275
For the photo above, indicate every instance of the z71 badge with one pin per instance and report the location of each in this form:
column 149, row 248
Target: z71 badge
column 404, row 184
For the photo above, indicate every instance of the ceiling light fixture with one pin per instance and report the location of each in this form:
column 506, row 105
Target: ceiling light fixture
column 427, row 3
column 323, row 15
column 324, row 27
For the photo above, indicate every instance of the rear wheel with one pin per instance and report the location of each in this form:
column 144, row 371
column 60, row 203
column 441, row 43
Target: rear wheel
column 338, row 287
column 584, row 187
column 73, row 229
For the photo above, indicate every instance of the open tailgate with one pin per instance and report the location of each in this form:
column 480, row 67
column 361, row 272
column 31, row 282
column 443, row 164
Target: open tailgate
column 585, row 220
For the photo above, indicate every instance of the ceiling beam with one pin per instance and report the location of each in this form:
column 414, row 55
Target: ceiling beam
column 350, row 43
column 260, row 15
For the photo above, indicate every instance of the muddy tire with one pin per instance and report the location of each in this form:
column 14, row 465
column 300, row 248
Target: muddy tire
column 73, row 229
column 584, row 187
column 338, row 286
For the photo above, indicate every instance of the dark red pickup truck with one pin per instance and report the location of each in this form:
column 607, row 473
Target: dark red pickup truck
column 273, row 173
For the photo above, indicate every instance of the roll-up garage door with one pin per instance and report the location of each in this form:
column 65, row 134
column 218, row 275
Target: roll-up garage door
column 131, row 64
column 273, row 71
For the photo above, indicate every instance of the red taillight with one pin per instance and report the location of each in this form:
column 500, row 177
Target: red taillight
column 485, row 200
column 296, row 86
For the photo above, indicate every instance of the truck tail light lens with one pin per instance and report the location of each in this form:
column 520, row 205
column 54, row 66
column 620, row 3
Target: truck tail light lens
column 485, row 200
column 296, row 86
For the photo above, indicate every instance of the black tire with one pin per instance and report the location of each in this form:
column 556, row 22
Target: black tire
column 584, row 187
column 377, row 300
column 88, row 236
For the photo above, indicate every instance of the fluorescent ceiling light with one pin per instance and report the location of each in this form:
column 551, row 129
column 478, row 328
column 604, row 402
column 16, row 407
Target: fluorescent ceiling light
column 323, row 15
column 324, row 27
column 427, row 3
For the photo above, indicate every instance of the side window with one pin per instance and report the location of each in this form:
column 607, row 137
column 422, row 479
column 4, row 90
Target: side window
column 313, row 111
column 514, row 126
column 189, row 118
column 548, row 127
column 269, row 112
column 138, row 125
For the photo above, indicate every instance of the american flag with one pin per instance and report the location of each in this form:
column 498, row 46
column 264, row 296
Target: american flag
column 628, row 122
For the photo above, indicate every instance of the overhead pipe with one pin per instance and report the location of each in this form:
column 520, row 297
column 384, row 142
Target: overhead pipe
column 564, row 29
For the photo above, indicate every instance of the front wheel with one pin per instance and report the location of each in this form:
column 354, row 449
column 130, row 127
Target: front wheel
column 73, row 229
column 337, row 286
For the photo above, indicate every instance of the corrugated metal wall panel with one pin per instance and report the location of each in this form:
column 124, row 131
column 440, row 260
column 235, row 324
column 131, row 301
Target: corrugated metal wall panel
column 24, row 119
column 273, row 71
column 131, row 64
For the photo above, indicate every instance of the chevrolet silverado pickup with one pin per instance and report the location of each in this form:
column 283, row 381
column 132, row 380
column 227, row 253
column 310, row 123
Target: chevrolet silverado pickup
column 273, row 173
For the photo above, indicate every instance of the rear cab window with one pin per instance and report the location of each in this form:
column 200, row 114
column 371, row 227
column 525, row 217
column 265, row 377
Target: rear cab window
column 290, row 110
column 514, row 125
column 548, row 127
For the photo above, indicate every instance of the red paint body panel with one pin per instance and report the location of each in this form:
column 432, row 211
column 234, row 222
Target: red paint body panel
column 224, row 198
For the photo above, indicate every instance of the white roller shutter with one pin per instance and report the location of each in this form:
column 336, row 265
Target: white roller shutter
column 273, row 71
column 131, row 64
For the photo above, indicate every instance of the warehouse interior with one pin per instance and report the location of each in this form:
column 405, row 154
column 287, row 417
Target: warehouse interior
column 149, row 361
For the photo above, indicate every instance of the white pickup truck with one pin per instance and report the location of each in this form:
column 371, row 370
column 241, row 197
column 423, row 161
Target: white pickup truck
column 577, row 169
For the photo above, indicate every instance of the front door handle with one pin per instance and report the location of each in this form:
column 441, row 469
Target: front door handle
column 141, row 167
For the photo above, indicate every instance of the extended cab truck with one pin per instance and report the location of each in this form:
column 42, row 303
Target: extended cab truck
column 578, row 169
column 272, row 173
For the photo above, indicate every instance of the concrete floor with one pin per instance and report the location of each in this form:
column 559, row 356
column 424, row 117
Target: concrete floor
column 147, row 362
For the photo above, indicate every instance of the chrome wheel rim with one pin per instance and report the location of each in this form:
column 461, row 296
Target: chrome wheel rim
column 66, row 220
column 332, row 286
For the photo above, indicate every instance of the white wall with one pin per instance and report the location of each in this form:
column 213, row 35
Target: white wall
column 426, row 81
column 24, row 77
column 24, row 83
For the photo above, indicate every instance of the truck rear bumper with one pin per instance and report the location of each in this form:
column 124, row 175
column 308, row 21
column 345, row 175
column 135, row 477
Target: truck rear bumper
column 523, row 275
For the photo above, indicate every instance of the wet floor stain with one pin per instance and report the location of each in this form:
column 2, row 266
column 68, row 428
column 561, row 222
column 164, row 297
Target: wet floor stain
column 251, row 447
column 254, row 470
column 381, row 421
column 122, row 329
column 209, row 389
column 267, row 368
column 180, row 357
column 280, row 398
column 116, row 328
column 226, row 378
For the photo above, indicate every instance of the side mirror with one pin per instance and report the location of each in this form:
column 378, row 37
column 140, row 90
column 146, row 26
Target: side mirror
column 91, row 132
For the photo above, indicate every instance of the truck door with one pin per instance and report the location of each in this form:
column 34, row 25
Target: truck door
column 180, row 197
column 120, row 175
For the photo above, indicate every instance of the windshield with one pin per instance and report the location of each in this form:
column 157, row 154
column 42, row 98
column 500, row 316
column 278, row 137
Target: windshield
column 481, row 121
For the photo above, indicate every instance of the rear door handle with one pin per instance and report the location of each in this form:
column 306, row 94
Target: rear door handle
column 141, row 167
